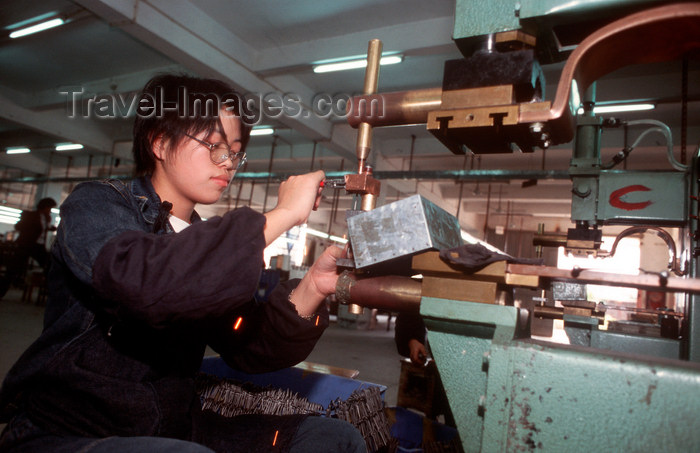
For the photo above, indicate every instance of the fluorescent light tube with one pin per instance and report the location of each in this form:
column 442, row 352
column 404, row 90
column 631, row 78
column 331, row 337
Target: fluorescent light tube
column 353, row 64
column 262, row 131
column 7, row 211
column 37, row 28
column 619, row 108
column 17, row 150
column 68, row 146
column 9, row 220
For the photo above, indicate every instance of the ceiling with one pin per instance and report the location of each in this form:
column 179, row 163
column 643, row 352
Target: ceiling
column 108, row 49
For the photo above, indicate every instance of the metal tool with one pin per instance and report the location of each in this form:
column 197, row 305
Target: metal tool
column 333, row 183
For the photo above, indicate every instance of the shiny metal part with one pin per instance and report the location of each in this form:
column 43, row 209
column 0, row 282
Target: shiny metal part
column 673, row 261
column 362, row 184
column 364, row 133
column 337, row 183
column 395, row 108
column 568, row 291
column 391, row 293
column 400, row 230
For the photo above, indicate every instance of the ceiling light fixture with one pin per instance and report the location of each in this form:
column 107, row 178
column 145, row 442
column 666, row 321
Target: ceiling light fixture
column 17, row 150
column 618, row 108
column 8, row 211
column 68, row 146
column 9, row 215
column 264, row 130
column 341, row 65
column 37, row 28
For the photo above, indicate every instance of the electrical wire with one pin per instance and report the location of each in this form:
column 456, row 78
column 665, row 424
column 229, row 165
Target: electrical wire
column 657, row 126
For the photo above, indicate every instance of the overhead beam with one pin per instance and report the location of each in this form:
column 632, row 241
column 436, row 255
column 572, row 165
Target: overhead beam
column 188, row 36
column 121, row 84
column 413, row 37
column 58, row 124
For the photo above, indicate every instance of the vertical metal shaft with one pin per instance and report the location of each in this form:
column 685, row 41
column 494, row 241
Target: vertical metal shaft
column 364, row 133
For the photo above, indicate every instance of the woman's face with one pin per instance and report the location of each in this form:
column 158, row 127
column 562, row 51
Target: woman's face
column 188, row 176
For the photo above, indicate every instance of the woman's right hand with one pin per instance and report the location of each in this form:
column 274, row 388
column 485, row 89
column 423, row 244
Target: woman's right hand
column 296, row 198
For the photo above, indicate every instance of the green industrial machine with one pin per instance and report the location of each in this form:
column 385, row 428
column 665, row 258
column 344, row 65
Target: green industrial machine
column 511, row 393
column 607, row 391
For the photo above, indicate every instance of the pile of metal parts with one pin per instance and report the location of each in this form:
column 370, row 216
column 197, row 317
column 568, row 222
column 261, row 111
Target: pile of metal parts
column 364, row 409
column 609, row 388
column 230, row 398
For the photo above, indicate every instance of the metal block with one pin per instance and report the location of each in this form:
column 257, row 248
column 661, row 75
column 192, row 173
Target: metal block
column 400, row 230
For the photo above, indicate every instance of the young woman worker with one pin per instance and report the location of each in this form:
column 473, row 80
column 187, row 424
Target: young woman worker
column 139, row 286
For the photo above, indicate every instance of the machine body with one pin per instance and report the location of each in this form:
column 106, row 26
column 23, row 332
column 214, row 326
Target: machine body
column 608, row 389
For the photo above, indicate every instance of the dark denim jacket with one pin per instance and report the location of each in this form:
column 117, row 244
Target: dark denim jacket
column 131, row 309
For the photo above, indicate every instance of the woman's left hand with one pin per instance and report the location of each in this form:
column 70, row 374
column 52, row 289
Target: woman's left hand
column 318, row 283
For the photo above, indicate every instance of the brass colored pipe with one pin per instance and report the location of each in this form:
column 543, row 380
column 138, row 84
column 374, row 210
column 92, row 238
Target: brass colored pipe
column 364, row 133
column 390, row 293
column 369, row 201
column 394, row 109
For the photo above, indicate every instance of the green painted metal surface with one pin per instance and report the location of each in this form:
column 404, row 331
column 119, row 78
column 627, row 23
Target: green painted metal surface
column 556, row 398
column 476, row 18
column 460, row 349
column 585, row 9
column 642, row 198
column 510, row 394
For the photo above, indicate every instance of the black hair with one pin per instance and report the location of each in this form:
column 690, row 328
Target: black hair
column 45, row 203
column 172, row 106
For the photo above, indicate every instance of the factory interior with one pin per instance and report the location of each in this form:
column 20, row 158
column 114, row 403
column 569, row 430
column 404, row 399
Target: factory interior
column 521, row 174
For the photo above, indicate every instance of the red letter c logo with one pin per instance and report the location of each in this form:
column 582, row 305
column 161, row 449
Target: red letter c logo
column 615, row 198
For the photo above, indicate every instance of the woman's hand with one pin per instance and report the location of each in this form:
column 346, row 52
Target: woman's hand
column 297, row 197
column 318, row 282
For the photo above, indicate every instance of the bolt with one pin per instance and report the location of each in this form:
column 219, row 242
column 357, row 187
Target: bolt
column 536, row 128
column 482, row 405
column 485, row 363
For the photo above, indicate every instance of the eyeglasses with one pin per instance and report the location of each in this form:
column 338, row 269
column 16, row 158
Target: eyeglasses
column 220, row 151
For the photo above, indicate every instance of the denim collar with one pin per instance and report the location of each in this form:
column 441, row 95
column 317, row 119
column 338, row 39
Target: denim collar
column 149, row 202
column 146, row 197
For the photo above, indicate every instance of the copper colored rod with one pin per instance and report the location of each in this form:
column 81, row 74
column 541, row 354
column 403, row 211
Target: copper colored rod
column 364, row 133
column 390, row 293
column 652, row 282
column 394, row 109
